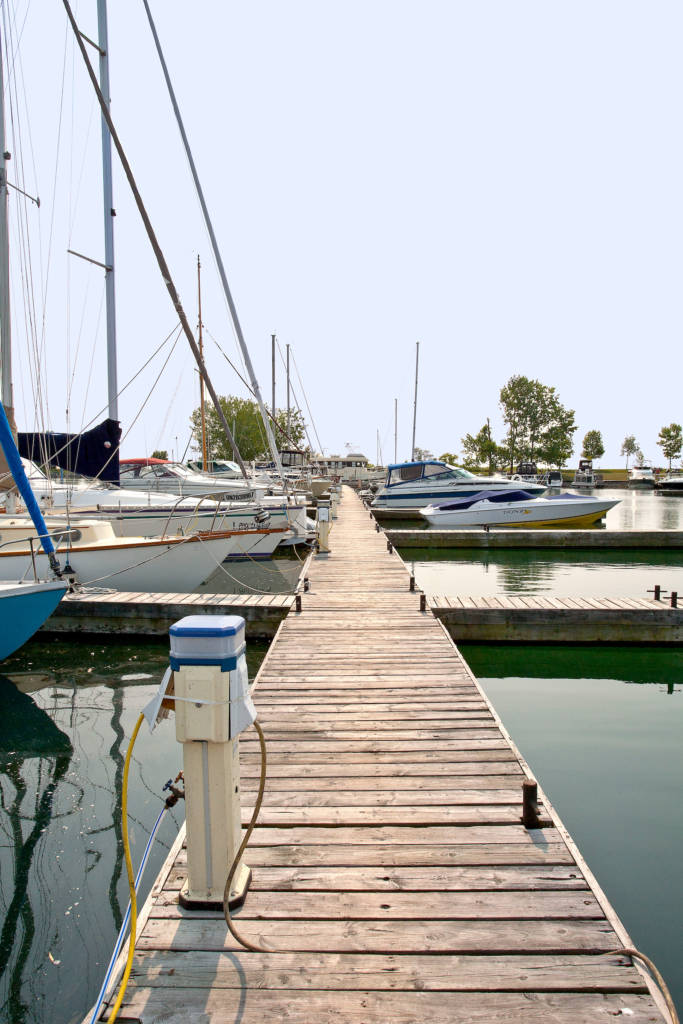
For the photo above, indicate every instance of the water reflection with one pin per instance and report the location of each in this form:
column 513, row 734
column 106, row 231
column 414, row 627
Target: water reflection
column 270, row 576
column 27, row 794
column 557, row 572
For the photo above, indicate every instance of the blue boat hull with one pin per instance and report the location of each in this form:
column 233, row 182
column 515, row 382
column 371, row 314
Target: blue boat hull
column 23, row 610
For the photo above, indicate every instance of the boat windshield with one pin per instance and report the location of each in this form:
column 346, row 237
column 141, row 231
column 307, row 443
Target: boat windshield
column 410, row 471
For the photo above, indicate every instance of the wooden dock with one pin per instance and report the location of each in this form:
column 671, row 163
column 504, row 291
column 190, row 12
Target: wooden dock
column 393, row 879
column 549, row 620
column 118, row 613
column 550, row 539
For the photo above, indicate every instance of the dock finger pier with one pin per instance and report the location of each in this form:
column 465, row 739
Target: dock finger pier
column 402, row 870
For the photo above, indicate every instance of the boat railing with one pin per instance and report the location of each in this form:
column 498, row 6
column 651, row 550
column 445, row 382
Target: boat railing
column 56, row 536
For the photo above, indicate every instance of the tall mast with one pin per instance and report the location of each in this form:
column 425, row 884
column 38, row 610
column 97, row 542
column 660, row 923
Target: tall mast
column 109, row 214
column 5, row 331
column 272, row 355
column 395, row 429
column 205, row 457
column 217, row 256
column 417, row 363
column 289, row 432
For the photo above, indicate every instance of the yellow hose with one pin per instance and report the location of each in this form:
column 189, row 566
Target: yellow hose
column 131, row 876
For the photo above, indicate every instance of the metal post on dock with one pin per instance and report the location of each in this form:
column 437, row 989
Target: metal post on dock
column 323, row 527
column 213, row 707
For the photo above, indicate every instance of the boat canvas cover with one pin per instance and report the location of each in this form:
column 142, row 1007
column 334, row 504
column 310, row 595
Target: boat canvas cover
column 93, row 453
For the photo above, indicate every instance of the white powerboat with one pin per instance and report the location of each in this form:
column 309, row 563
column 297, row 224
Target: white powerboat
column 517, row 508
column 672, row 482
column 416, row 484
column 641, row 476
column 174, row 478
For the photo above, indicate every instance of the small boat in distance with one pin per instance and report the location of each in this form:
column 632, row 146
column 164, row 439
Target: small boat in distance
column 517, row 508
column 672, row 482
column 585, row 476
column 416, row 484
column 641, row 476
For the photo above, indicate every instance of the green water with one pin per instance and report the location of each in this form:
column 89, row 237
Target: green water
column 68, row 711
column 602, row 730
column 562, row 573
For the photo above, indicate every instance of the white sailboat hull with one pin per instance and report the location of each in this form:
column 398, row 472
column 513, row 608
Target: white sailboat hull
column 170, row 564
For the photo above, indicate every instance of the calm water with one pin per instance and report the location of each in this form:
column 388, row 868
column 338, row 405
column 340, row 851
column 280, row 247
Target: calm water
column 63, row 886
column 602, row 729
column 270, row 576
column 559, row 573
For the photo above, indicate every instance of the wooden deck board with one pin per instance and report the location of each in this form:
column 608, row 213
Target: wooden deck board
column 393, row 879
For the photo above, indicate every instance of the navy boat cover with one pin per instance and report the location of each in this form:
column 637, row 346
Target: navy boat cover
column 93, row 453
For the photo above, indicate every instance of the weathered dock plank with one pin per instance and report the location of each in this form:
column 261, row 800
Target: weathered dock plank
column 393, row 878
column 560, row 620
column 152, row 614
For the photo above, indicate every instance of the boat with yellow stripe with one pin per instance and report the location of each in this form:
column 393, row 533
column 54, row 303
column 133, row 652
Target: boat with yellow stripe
column 518, row 509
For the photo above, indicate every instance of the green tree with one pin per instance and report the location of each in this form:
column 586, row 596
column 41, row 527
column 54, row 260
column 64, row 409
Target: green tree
column 249, row 431
column 539, row 426
column 671, row 441
column 593, row 448
column 480, row 449
column 629, row 447
column 160, row 453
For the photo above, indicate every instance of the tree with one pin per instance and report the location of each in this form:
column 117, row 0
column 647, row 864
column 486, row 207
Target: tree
column 422, row 454
column 481, row 449
column 671, row 441
column 593, row 448
column 629, row 447
column 249, row 432
column 160, row 453
column 539, row 426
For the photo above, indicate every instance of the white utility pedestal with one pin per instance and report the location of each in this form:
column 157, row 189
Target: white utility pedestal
column 323, row 527
column 212, row 707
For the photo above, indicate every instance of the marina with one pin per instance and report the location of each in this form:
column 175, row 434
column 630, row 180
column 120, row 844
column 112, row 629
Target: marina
column 414, row 859
column 291, row 733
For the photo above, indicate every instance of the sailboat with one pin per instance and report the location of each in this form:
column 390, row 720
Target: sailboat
column 26, row 604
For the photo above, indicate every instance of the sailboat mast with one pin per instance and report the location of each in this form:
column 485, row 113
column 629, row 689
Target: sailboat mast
column 216, row 253
column 288, row 405
column 272, row 356
column 395, row 429
column 417, row 363
column 5, row 335
column 109, row 214
column 205, row 458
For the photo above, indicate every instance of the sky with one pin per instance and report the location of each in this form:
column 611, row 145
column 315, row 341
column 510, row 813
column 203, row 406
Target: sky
column 500, row 182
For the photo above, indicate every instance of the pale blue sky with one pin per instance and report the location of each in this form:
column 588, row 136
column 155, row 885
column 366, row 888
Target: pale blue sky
column 501, row 181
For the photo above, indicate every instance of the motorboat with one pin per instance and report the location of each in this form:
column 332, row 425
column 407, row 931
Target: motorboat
column 585, row 475
column 672, row 483
column 416, row 484
column 174, row 478
column 517, row 508
column 642, row 476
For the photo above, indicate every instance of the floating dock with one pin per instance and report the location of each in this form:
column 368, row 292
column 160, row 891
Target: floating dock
column 551, row 539
column 116, row 612
column 546, row 620
column 393, row 879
